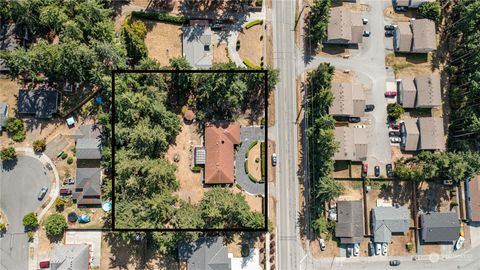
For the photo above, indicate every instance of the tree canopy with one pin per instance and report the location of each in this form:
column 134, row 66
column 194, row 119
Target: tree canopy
column 430, row 10
column 318, row 21
column 395, row 111
column 8, row 153
column 55, row 225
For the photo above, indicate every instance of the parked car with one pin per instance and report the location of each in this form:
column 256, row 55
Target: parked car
column 65, row 191
column 378, row 248
column 384, row 249
column 394, row 133
column 356, row 249
column 366, row 33
column 274, row 159
column 364, row 20
column 395, row 139
column 364, row 170
column 394, row 263
column 459, row 243
column 332, row 214
column 389, row 170
column 322, row 244
column 69, row 181
column 369, row 107
column 349, row 251
column 354, row 119
column 41, row 193
column 44, row 264
column 448, row 182
column 395, row 126
column 377, row 171
column 371, row 248
column 389, row 27
column 217, row 25
column 84, row 219
column 389, row 33
column 359, row 126
column 390, row 94
column 400, row 9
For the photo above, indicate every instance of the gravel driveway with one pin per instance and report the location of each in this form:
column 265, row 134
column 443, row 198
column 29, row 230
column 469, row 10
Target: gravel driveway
column 19, row 185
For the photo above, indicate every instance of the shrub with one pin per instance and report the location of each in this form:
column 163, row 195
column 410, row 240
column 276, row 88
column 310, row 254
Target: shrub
column 15, row 129
column 258, row 3
column 196, row 169
column 453, row 192
column 262, row 158
column 39, row 145
column 430, row 10
column 70, row 160
column 55, row 225
column 64, row 155
column 30, row 235
column 252, row 144
column 453, row 204
column 249, row 64
column 409, row 246
column 238, row 45
column 3, row 227
column 60, row 204
column 162, row 17
column 8, row 153
column 30, row 220
column 253, row 23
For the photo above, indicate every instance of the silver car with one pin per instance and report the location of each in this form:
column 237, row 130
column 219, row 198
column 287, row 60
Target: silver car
column 41, row 193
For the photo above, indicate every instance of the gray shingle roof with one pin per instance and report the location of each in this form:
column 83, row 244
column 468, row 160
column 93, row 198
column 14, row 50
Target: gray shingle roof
column 196, row 43
column 349, row 226
column 439, row 227
column 69, row 257
column 3, row 114
column 88, row 142
column 41, row 103
column 388, row 220
column 207, row 253
column 88, row 179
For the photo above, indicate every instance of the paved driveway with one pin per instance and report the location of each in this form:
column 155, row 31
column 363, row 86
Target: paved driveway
column 19, row 186
column 248, row 135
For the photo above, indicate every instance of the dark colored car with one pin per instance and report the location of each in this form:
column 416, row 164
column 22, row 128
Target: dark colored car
column 394, row 133
column 364, row 169
column 400, row 8
column 41, row 193
column 366, row 33
column 369, row 107
column 65, row 191
column 354, row 119
column 371, row 249
column 394, row 263
column 377, row 171
column 395, row 126
column 389, row 170
column 389, row 33
column 389, row 27
column 44, row 264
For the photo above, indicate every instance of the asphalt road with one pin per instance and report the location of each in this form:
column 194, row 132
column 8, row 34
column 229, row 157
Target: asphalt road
column 288, row 247
column 18, row 196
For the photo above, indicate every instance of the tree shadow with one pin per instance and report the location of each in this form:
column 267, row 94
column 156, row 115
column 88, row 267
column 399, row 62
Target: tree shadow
column 8, row 165
column 121, row 251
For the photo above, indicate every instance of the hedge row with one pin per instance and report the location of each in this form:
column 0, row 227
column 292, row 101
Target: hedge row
column 163, row 17
column 262, row 158
column 249, row 64
column 252, row 178
column 253, row 23
column 250, row 148
column 196, row 169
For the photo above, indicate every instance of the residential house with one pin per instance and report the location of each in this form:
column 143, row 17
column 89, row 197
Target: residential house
column 220, row 141
column 349, row 226
column 349, row 100
column 87, row 189
column 439, row 227
column 353, row 143
column 387, row 221
column 69, row 257
column 410, row 3
column 3, row 115
column 473, row 199
column 424, row 133
column 209, row 253
column 41, row 103
column 415, row 36
column 344, row 27
column 196, row 45
column 420, row 92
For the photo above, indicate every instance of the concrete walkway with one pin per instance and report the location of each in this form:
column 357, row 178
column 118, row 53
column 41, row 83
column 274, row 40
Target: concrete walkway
column 247, row 136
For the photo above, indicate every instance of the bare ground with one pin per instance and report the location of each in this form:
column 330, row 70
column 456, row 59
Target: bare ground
column 253, row 163
column 164, row 41
column 220, row 52
column 271, row 168
column 271, row 109
column 255, row 202
column 353, row 191
column 399, row 16
column 251, row 41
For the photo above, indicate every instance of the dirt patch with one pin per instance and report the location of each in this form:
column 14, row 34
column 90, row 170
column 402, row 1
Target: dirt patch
column 271, row 109
column 341, row 169
column 255, row 202
column 431, row 248
column 253, row 163
column 272, row 210
column 44, row 245
column 398, row 154
column 251, row 41
column 271, row 168
column 400, row 16
column 433, row 196
column 356, row 6
column 181, row 154
column 332, row 249
column 398, row 244
column 269, row 45
column 164, row 41
column 220, row 53
column 356, row 170
column 410, row 64
column 353, row 191
column 342, row 76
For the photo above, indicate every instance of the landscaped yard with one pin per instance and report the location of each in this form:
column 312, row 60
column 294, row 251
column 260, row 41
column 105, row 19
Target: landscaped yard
column 254, row 162
column 251, row 44
column 164, row 41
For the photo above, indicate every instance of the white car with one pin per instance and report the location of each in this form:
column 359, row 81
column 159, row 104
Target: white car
column 384, row 249
column 395, row 139
column 322, row 244
column 356, row 250
column 360, row 126
column 364, row 20
column 459, row 243
column 274, row 159
column 378, row 248
column 349, row 251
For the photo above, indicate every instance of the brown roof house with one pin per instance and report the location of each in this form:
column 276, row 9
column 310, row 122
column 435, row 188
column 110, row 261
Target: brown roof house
column 416, row 36
column 350, row 222
column 352, row 143
column 344, row 27
column 424, row 133
column 220, row 140
column 420, row 92
column 474, row 199
column 349, row 100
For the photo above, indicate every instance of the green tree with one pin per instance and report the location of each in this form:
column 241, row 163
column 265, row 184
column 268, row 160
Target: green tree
column 320, row 225
column 8, row 153
column 55, row 225
column 329, row 189
column 39, row 145
column 53, row 17
column 430, row 10
column 181, row 82
column 134, row 34
column 395, row 111
column 318, row 21
column 30, row 220
column 15, row 129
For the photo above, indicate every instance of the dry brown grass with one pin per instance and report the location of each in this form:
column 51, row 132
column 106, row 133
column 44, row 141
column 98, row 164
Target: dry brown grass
column 410, row 64
column 254, row 163
column 399, row 16
column 220, row 53
column 255, row 202
column 271, row 169
column 331, row 249
column 271, row 109
column 164, row 41
column 353, row 191
column 340, row 76
column 251, row 44
column 356, row 6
